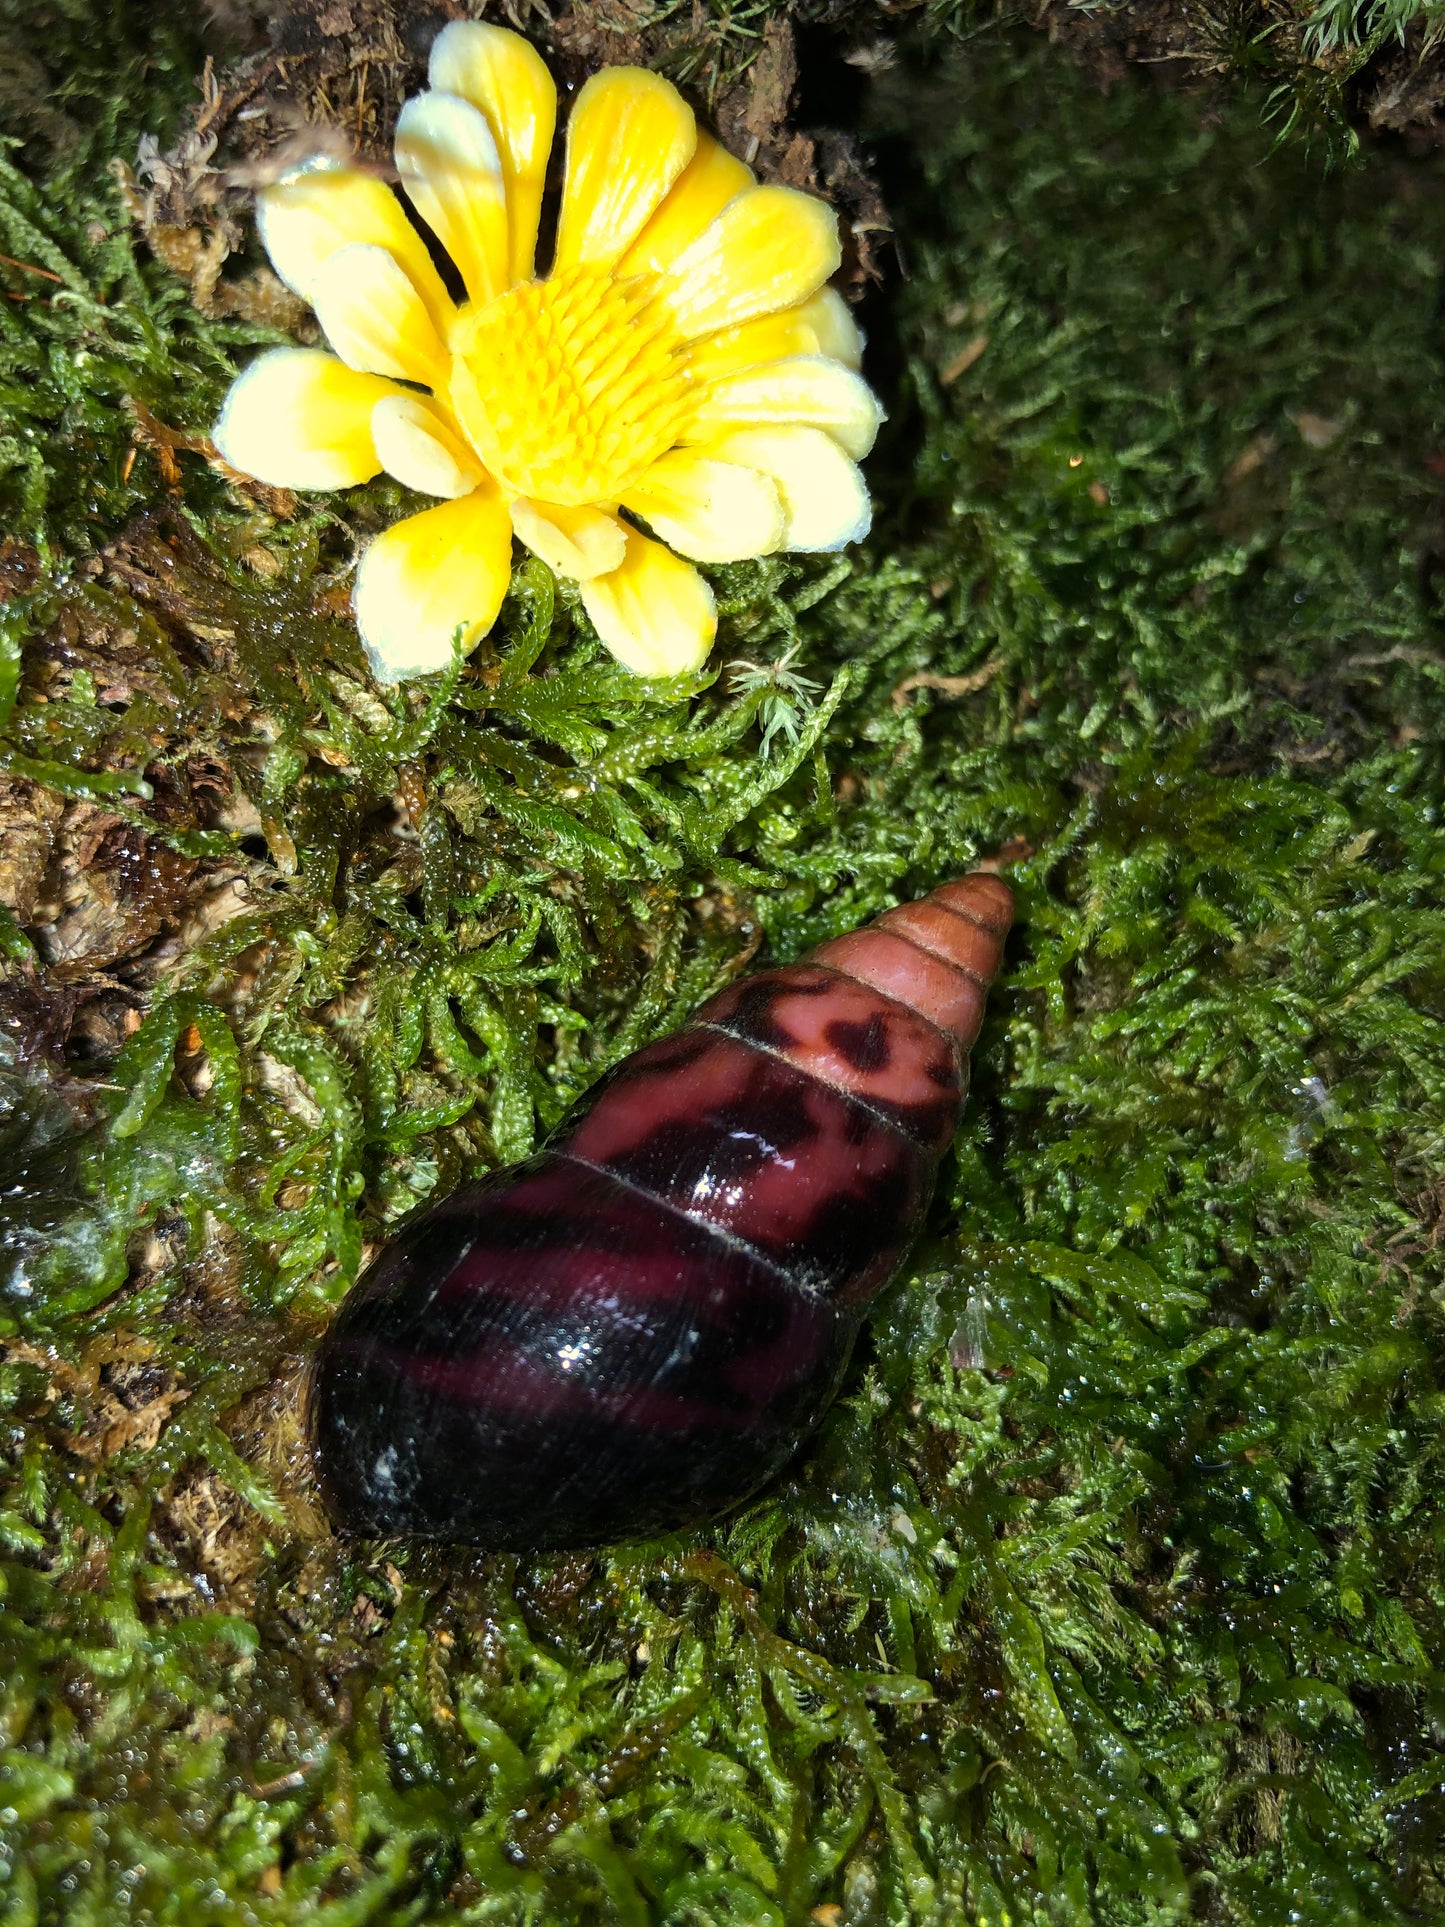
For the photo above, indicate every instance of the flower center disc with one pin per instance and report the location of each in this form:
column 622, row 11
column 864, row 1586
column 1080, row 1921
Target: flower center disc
column 570, row 388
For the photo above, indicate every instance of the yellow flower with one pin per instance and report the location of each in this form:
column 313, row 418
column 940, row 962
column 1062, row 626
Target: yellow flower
column 683, row 360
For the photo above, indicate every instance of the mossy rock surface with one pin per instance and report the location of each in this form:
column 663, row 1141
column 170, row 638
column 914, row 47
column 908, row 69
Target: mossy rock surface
column 1111, row 1591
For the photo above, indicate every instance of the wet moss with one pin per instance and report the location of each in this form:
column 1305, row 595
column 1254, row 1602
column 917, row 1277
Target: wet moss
column 1111, row 1591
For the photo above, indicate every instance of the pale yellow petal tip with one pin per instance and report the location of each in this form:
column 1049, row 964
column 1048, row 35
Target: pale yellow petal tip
column 374, row 318
column 321, row 162
column 417, row 444
column 656, row 613
column 450, row 166
column 575, row 543
column 431, row 580
column 808, row 389
column 503, row 74
column 307, row 217
column 299, row 418
column 629, row 137
column 709, row 510
column 835, row 330
column 824, row 496
column 505, row 78
column 769, row 248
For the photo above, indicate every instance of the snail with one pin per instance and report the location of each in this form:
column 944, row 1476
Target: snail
column 633, row 1330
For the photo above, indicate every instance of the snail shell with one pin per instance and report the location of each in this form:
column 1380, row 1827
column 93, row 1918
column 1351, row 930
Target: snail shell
column 633, row 1330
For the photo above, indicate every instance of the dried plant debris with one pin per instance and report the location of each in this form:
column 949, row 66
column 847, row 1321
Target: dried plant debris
column 1112, row 1589
column 333, row 77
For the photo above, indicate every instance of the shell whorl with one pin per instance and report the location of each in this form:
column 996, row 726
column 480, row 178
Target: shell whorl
column 938, row 956
column 799, row 1115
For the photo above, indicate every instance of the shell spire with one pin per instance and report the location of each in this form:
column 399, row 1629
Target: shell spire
column 938, row 956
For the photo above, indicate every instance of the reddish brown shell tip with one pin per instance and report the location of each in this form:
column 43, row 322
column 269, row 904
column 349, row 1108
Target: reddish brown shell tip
column 938, row 956
column 980, row 895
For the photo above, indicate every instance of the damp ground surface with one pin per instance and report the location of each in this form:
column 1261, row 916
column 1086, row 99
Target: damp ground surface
column 1111, row 1590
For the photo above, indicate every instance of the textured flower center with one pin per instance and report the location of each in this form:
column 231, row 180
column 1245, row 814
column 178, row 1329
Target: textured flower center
column 569, row 389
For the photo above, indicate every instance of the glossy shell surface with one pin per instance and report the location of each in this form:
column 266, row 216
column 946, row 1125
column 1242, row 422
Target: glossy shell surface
column 633, row 1330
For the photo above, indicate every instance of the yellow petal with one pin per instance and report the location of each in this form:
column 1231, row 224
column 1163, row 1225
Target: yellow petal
column 824, row 497
column 808, row 388
column 768, row 249
column 819, row 326
column 450, row 168
column 837, row 334
column 427, row 577
column 577, row 543
column 711, row 179
column 710, row 510
column 306, row 216
column 630, row 135
column 502, row 74
column 299, row 418
column 655, row 613
column 375, row 319
column 419, row 446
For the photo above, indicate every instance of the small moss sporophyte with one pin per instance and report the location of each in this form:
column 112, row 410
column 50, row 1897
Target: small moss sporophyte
column 684, row 360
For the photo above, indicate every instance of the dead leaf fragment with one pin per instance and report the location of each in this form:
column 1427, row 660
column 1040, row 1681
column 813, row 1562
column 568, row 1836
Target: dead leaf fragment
column 142, row 1428
column 771, row 80
column 1255, row 456
column 960, row 363
column 29, row 818
column 165, row 440
column 1316, row 431
column 968, row 685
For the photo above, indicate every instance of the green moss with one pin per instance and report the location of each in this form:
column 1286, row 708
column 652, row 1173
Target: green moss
column 1111, row 1591
column 1330, row 75
column 85, row 326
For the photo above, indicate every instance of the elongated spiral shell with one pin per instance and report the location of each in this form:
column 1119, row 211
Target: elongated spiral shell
column 633, row 1330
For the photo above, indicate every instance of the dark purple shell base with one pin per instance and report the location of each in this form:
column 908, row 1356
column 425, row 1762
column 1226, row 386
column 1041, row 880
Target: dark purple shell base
column 552, row 1359
column 632, row 1331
